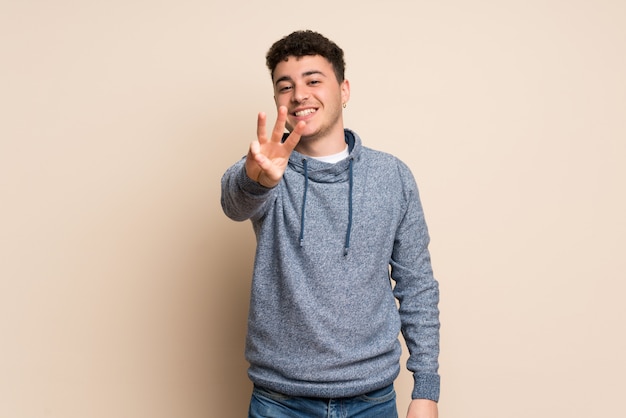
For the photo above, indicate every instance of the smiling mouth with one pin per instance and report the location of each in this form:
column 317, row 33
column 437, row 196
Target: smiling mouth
column 304, row 112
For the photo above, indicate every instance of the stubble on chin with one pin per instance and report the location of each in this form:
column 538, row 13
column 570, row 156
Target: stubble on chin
column 289, row 128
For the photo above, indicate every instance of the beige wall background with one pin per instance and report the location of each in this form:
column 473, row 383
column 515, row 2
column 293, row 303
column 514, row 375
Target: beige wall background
column 123, row 287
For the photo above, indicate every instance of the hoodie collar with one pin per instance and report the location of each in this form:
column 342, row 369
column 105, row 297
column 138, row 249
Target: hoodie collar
column 322, row 172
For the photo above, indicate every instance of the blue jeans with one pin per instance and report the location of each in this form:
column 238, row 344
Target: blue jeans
column 379, row 403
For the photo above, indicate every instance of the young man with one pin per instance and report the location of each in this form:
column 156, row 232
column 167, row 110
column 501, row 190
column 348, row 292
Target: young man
column 335, row 222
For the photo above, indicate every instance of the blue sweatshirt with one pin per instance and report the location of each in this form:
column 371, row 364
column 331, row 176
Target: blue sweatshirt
column 337, row 246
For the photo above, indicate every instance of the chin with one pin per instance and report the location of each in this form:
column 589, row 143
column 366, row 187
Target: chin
column 312, row 129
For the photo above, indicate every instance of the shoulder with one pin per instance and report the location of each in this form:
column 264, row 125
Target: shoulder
column 385, row 165
column 387, row 162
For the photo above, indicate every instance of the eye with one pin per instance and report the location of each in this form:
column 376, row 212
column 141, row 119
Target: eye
column 284, row 88
column 314, row 82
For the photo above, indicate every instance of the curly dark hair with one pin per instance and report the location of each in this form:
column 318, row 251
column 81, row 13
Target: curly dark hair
column 306, row 42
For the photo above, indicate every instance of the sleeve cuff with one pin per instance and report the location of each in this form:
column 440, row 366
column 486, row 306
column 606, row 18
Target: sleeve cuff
column 250, row 186
column 426, row 386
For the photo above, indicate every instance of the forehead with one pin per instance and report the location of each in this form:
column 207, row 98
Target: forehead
column 297, row 67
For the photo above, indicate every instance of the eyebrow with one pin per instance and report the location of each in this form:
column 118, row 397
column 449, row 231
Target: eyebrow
column 304, row 74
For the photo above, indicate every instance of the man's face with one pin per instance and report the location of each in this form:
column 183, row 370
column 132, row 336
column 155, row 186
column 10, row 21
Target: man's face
column 309, row 89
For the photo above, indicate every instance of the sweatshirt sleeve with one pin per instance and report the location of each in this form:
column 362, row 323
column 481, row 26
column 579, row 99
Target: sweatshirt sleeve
column 242, row 198
column 417, row 292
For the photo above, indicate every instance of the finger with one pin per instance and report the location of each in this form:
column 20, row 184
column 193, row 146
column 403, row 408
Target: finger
column 253, row 169
column 260, row 127
column 295, row 135
column 257, row 156
column 255, row 148
column 279, row 126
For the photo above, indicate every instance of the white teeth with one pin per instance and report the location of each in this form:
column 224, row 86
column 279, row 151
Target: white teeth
column 305, row 112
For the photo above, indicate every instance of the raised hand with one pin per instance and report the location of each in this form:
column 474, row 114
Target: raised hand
column 268, row 157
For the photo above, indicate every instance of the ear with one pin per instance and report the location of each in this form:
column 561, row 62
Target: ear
column 345, row 91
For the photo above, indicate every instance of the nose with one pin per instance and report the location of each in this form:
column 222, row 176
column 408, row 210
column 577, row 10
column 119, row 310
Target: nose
column 300, row 93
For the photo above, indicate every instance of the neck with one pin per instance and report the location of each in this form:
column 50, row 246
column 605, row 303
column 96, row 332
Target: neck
column 321, row 146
